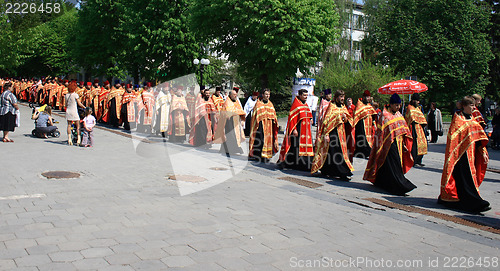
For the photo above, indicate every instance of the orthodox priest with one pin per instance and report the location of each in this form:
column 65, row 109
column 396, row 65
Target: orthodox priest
column 217, row 99
column 331, row 154
column 297, row 148
column 363, row 123
column 465, row 162
column 416, row 121
column 390, row 157
column 162, row 106
column 179, row 124
column 128, row 108
column 323, row 105
column 264, row 129
column 248, row 111
column 201, row 132
column 230, row 127
column 146, row 109
column 114, row 102
column 191, row 103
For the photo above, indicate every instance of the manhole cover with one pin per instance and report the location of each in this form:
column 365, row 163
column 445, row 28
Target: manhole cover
column 60, row 175
column 218, row 168
column 187, row 178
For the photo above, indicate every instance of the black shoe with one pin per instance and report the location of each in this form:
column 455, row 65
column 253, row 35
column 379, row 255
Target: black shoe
column 344, row 178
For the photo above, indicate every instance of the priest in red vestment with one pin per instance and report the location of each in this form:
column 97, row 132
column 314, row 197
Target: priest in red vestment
column 364, row 124
column 390, row 157
column 331, row 153
column 465, row 162
column 297, row 148
column 264, row 129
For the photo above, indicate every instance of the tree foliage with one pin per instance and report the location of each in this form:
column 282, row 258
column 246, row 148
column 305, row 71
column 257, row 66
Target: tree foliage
column 36, row 43
column 443, row 42
column 159, row 41
column 268, row 38
column 355, row 78
column 494, row 34
column 98, row 44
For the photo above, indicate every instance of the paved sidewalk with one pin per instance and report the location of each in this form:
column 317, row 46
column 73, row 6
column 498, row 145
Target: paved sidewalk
column 124, row 213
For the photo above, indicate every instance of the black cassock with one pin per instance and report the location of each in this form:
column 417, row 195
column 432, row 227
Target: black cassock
column 230, row 146
column 335, row 165
column 390, row 175
column 417, row 159
column 292, row 158
column 362, row 149
column 470, row 200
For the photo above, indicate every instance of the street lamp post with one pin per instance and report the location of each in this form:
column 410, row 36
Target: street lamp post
column 204, row 62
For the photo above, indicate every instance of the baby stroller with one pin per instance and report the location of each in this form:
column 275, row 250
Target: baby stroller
column 35, row 132
column 74, row 131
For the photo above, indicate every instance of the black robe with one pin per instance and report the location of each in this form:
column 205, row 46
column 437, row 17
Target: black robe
column 292, row 158
column 113, row 118
column 200, row 134
column 417, row 159
column 230, row 146
column 335, row 165
column 390, row 176
column 362, row 149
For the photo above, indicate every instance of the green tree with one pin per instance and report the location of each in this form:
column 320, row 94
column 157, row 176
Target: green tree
column 340, row 74
column 24, row 38
column 443, row 42
column 158, row 40
column 7, row 46
column 268, row 39
column 46, row 48
column 98, row 46
column 494, row 35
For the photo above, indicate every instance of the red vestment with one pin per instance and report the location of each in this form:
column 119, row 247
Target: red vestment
column 392, row 127
column 266, row 114
column 332, row 119
column 299, row 112
column 462, row 138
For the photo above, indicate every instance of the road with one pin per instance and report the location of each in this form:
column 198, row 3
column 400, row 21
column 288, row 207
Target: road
column 127, row 211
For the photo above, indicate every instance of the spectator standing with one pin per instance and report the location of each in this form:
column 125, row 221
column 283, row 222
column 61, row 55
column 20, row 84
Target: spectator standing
column 71, row 103
column 88, row 128
column 435, row 122
column 312, row 103
column 8, row 108
column 495, row 135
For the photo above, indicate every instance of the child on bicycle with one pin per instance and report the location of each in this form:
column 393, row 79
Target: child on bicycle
column 88, row 128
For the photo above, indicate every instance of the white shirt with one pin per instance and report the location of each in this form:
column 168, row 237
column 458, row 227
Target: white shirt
column 312, row 102
column 89, row 121
column 249, row 105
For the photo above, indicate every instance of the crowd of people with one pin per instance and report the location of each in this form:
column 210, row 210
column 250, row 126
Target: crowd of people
column 391, row 138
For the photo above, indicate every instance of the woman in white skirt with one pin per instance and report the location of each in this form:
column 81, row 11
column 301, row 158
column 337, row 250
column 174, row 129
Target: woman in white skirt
column 71, row 102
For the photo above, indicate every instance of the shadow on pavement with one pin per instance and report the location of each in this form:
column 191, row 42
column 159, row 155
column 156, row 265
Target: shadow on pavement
column 438, row 170
column 431, row 203
column 483, row 220
column 418, row 202
column 357, row 185
column 436, row 147
column 491, row 180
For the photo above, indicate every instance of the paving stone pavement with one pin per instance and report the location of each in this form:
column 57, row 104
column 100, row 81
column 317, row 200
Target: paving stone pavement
column 124, row 213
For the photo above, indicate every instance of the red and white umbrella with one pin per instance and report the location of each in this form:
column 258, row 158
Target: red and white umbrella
column 403, row 87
